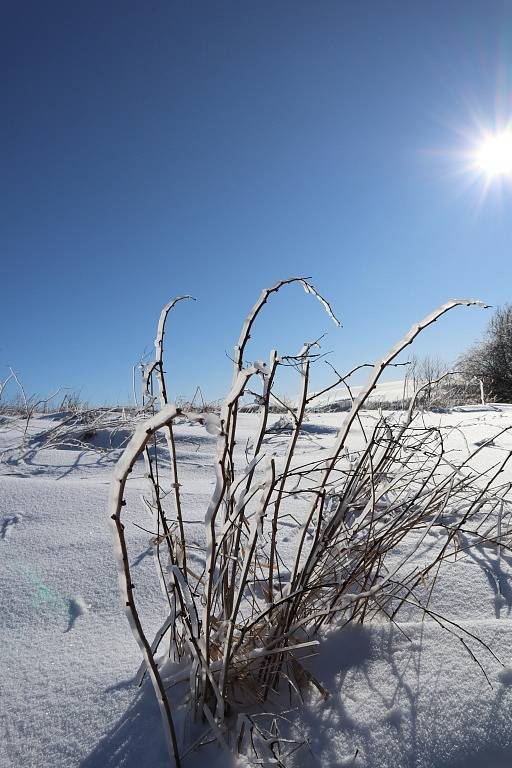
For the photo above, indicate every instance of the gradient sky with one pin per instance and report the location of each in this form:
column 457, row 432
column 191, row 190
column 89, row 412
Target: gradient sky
column 150, row 149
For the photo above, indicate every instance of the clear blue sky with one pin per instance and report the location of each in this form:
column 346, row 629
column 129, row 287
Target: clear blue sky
column 155, row 148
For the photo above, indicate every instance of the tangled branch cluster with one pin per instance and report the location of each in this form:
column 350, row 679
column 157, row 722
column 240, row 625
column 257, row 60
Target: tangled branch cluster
column 239, row 628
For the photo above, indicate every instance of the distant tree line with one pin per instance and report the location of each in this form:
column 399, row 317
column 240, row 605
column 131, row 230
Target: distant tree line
column 490, row 360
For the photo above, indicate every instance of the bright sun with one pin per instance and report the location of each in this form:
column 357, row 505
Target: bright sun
column 494, row 156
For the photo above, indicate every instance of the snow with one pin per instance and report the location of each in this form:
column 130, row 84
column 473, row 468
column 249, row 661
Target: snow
column 399, row 695
column 385, row 392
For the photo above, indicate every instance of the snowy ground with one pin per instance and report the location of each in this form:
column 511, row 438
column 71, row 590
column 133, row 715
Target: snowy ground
column 386, row 392
column 399, row 696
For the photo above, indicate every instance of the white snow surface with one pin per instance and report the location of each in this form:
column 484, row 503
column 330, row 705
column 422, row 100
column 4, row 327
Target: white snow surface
column 392, row 392
column 400, row 695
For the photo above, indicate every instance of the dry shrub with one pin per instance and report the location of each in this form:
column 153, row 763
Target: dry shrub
column 240, row 627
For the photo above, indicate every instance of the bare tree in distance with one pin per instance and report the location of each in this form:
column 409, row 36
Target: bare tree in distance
column 426, row 372
column 490, row 360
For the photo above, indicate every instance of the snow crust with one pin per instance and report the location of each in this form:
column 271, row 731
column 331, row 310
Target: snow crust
column 400, row 696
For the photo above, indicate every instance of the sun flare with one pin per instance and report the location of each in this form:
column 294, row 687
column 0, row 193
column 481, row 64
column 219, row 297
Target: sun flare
column 494, row 156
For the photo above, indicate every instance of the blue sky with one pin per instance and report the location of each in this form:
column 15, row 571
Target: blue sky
column 150, row 149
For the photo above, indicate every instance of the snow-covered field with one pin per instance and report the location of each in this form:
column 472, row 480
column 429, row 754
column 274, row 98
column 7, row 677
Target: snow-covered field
column 393, row 391
column 400, row 695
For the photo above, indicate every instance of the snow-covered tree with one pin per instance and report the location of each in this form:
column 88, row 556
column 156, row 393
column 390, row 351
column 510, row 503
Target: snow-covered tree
column 491, row 359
